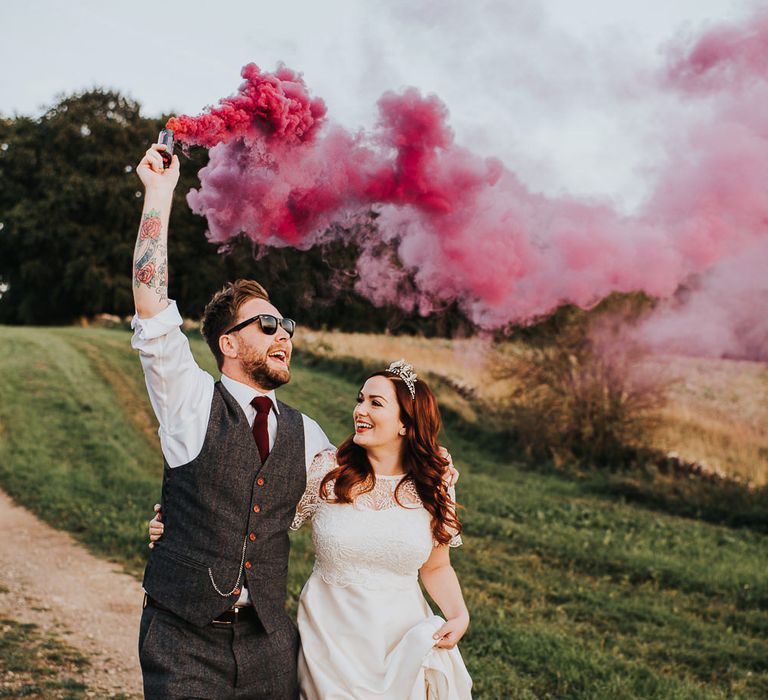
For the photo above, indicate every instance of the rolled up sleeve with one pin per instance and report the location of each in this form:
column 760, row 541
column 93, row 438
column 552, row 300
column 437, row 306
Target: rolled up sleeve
column 179, row 390
column 146, row 329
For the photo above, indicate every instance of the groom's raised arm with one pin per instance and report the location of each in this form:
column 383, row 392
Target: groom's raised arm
column 179, row 390
column 150, row 256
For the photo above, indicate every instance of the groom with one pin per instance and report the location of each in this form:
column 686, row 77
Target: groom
column 214, row 623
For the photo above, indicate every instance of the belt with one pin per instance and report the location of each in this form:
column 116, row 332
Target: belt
column 246, row 613
column 234, row 615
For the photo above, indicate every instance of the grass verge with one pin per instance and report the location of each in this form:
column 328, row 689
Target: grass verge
column 34, row 664
column 575, row 592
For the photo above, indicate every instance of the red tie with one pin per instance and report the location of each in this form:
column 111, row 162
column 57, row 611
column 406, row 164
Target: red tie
column 262, row 404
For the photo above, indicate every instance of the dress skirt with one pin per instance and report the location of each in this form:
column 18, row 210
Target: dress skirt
column 342, row 659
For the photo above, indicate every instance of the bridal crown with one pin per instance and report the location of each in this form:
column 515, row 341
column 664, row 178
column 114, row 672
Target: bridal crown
column 405, row 371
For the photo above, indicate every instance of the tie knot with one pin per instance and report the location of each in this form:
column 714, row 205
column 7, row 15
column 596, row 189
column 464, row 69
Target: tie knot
column 262, row 404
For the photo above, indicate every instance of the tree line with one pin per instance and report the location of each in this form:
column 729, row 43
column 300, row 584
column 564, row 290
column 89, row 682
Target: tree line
column 70, row 204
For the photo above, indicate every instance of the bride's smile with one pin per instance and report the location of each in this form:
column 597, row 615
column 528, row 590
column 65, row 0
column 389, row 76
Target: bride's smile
column 377, row 416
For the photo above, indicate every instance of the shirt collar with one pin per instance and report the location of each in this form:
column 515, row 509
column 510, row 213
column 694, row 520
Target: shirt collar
column 244, row 394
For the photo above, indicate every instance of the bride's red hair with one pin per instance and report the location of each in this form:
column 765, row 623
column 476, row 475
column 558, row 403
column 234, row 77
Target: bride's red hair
column 422, row 462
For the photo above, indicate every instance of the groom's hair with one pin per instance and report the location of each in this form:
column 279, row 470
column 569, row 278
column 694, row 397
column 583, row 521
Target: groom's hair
column 221, row 311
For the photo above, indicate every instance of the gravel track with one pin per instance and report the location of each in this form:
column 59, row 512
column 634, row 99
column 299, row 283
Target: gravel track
column 48, row 579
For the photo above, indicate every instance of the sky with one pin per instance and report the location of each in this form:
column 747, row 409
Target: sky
column 561, row 91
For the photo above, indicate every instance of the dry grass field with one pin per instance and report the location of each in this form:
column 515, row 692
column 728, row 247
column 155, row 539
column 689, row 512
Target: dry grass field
column 716, row 413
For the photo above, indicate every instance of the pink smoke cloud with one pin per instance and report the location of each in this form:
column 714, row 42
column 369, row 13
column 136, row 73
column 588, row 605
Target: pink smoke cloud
column 465, row 227
column 727, row 57
column 721, row 314
column 276, row 106
column 715, row 197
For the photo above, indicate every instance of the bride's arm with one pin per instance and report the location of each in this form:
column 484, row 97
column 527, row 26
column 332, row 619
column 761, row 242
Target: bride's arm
column 321, row 465
column 156, row 526
column 441, row 582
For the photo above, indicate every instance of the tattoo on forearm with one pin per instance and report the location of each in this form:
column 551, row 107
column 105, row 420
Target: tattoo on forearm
column 150, row 259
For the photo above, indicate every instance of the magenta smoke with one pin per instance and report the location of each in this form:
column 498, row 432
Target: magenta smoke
column 466, row 229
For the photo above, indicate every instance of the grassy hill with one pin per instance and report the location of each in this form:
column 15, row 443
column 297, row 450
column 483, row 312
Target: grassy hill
column 573, row 594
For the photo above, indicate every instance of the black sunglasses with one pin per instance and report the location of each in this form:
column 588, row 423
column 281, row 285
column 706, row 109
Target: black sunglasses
column 268, row 323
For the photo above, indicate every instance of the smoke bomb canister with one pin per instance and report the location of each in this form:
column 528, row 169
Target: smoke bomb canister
column 166, row 138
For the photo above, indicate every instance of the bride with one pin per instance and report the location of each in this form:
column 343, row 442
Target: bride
column 381, row 518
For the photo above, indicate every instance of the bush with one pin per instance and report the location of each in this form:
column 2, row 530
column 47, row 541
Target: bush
column 583, row 395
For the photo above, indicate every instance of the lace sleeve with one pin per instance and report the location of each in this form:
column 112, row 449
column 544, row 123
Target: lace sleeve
column 321, row 465
column 456, row 540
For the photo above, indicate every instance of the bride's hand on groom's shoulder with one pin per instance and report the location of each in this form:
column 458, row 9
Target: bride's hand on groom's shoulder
column 451, row 475
column 156, row 527
column 451, row 632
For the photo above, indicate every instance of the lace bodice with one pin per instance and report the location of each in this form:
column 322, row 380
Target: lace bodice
column 375, row 540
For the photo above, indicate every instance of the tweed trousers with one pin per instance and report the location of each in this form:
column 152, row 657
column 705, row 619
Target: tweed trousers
column 216, row 662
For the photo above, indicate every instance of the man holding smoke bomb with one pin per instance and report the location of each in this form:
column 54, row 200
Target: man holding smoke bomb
column 214, row 623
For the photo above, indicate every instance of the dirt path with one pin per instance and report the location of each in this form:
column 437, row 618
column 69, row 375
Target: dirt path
column 55, row 583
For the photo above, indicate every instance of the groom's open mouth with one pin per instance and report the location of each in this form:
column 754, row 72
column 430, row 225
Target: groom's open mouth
column 280, row 356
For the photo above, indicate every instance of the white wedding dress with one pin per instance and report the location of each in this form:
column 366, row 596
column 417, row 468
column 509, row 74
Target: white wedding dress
column 366, row 628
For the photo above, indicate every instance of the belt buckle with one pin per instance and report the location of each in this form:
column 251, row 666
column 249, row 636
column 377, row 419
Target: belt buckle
column 234, row 610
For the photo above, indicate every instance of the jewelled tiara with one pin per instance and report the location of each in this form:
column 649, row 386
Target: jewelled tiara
column 405, row 371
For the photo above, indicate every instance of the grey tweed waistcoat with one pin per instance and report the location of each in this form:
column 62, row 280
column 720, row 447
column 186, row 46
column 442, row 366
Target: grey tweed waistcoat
column 227, row 517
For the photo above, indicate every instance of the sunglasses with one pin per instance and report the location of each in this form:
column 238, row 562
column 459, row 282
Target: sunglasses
column 268, row 324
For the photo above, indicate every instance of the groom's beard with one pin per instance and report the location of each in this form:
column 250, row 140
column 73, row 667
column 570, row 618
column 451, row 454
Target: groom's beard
column 255, row 365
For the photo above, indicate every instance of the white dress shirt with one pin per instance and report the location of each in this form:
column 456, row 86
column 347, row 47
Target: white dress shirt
column 181, row 393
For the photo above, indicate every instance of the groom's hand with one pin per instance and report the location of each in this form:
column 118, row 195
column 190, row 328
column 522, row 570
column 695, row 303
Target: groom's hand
column 153, row 175
column 156, row 527
column 451, row 475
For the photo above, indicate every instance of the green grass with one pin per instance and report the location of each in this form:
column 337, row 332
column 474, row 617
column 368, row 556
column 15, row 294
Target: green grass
column 34, row 664
column 574, row 591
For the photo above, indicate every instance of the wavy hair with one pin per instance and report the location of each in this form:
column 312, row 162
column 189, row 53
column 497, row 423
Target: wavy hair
column 422, row 462
column 221, row 311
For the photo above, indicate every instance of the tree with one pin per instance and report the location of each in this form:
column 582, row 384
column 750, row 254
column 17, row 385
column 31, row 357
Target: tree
column 67, row 204
column 70, row 204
